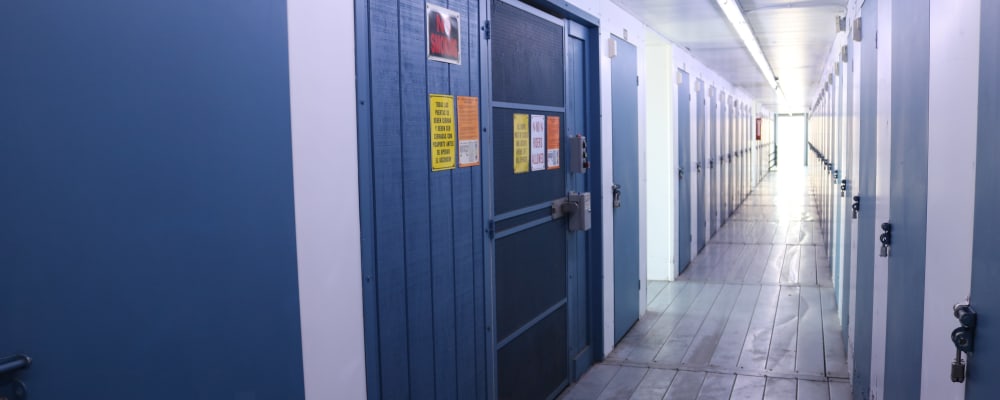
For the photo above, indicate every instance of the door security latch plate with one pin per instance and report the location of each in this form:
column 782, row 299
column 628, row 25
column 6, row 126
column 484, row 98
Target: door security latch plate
column 575, row 206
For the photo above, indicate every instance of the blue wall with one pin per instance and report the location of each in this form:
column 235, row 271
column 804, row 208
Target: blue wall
column 422, row 231
column 148, row 241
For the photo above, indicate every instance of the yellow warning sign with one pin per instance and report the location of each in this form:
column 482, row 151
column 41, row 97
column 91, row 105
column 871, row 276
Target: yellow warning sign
column 442, row 116
column 522, row 144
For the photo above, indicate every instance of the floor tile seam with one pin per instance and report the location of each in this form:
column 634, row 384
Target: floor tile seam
column 746, row 333
column 762, row 284
column 672, row 331
column 703, row 320
column 608, row 385
column 657, row 318
column 774, row 321
column 762, row 243
column 728, row 371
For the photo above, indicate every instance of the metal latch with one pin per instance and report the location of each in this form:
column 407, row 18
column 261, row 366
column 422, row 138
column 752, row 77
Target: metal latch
column 964, row 339
column 886, row 239
column 616, row 195
column 577, row 207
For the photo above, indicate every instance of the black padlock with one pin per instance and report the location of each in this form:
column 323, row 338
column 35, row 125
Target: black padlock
column 958, row 370
column 886, row 239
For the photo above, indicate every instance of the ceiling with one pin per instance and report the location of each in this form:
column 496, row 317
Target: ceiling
column 795, row 35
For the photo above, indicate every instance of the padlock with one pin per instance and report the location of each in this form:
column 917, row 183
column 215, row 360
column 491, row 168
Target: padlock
column 958, row 369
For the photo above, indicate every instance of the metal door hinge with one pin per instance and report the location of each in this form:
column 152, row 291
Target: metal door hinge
column 486, row 29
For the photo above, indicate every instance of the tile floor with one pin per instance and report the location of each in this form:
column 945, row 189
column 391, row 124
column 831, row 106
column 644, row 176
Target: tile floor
column 752, row 317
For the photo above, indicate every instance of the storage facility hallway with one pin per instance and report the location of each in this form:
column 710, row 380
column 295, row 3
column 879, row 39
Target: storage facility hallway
column 754, row 315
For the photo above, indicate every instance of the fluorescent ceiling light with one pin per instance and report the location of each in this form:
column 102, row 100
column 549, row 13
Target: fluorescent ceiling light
column 736, row 19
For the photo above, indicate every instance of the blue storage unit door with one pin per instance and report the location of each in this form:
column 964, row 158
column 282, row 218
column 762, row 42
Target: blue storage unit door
column 866, row 215
column 985, row 360
column 725, row 113
column 731, row 126
column 148, row 241
column 702, row 223
column 625, row 137
column 534, row 250
column 907, row 198
column 713, row 156
column 683, row 175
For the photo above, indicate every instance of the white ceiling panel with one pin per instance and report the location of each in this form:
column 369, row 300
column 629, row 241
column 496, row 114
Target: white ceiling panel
column 795, row 35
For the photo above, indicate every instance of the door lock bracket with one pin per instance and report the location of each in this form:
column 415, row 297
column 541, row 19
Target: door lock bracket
column 964, row 339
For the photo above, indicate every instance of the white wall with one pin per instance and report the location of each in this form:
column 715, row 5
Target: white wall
column 659, row 134
column 325, row 163
column 951, row 185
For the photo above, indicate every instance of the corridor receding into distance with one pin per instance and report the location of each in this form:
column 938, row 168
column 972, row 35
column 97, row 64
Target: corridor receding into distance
column 754, row 316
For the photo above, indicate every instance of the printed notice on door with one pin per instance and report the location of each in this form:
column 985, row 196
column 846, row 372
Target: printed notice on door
column 468, row 131
column 537, row 142
column 552, row 142
column 442, row 132
column 443, row 33
column 522, row 145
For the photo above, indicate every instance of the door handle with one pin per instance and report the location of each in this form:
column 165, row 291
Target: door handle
column 9, row 367
column 711, row 164
column 616, row 195
column 856, row 207
column 680, row 173
column 698, row 165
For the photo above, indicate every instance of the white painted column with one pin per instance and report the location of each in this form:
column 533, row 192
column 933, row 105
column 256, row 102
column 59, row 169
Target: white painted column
column 659, row 218
column 327, row 222
column 951, row 185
